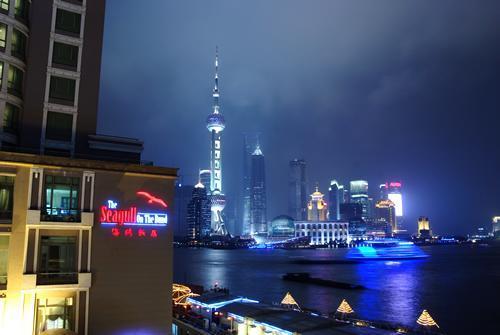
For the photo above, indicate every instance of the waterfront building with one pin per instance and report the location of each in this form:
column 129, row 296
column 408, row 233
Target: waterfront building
column 204, row 176
column 198, row 214
column 317, row 208
column 392, row 191
column 282, row 226
column 359, row 194
column 385, row 214
column 335, row 198
column 424, row 228
column 297, row 190
column 258, row 201
column 85, row 209
column 383, row 192
column 215, row 125
column 323, row 232
column 182, row 198
column 496, row 226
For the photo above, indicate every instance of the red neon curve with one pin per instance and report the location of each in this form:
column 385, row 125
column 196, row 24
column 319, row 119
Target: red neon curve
column 152, row 199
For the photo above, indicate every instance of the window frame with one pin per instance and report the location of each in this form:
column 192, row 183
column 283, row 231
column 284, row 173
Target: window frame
column 52, row 133
column 55, row 95
column 22, row 42
column 66, row 30
column 11, row 89
column 59, row 61
column 74, row 210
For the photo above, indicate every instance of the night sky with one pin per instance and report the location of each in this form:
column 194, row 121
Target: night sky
column 375, row 90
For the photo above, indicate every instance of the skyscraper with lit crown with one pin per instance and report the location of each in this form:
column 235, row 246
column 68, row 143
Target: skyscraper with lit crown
column 215, row 125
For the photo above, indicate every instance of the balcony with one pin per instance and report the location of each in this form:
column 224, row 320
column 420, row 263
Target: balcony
column 36, row 217
column 74, row 279
column 60, row 215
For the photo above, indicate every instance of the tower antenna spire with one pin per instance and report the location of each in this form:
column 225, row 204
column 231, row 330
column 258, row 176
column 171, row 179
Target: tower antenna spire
column 215, row 92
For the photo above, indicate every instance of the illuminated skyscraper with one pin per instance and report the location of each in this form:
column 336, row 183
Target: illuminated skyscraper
column 215, row 125
column 317, row 208
column 335, row 198
column 204, row 177
column 258, row 206
column 198, row 213
column 297, row 190
column 385, row 213
column 359, row 194
column 246, row 185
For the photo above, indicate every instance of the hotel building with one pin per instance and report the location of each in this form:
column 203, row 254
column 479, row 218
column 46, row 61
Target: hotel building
column 85, row 237
column 323, row 232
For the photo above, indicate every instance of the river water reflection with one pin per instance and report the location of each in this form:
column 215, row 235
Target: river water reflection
column 459, row 285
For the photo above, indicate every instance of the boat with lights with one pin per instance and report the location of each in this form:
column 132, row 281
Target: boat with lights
column 387, row 249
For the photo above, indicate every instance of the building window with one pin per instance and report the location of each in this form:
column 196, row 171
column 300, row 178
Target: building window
column 3, row 36
column 61, row 199
column 15, row 81
column 217, row 154
column 4, row 258
column 68, row 22
column 21, row 10
column 59, row 126
column 62, row 90
column 6, row 197
column 217, row 164
column 57, row 260
column 18, row 44
column 55, row 313
column 217, row 144
column 10, row 118
column 65, row 55
column 4, row 6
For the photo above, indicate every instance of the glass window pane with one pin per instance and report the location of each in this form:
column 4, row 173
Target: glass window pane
column 62, row 89
column 65, row 54
column 59, row 126
column 18, row 44
column 6, row 197
column 61, row 199
column 4, row 257
column 3, row 35
column 15, row 81
column 10, row 118
column 4, row 5
column 21, row 9
column 67, row 21
column 55, row 313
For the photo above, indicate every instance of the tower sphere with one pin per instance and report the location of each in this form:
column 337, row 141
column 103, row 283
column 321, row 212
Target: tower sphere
column 215, row 121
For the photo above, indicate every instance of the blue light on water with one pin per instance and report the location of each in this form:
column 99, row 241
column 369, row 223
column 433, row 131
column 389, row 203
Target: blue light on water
column 387, row 250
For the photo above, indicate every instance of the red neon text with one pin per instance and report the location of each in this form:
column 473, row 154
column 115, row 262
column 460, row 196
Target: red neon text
column 118, row 216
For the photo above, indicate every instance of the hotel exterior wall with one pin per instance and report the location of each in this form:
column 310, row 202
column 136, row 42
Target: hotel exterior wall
column 132, row 276
column 323, row 232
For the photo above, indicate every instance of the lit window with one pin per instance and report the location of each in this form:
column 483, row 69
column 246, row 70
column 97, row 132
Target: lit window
column 10, row 118
column 4, row 258
column 6, row 197
column 217, row 154
column 217, row 144
column 15, row 81
column 217, row 164
column 21, row 10
column 4, row 5
column 18, row 44
column 61, row 199
column 3, row 35
column 55, row 313
column 59, row 126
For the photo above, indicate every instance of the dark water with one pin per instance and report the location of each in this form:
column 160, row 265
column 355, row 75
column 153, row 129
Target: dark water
column 458, row 285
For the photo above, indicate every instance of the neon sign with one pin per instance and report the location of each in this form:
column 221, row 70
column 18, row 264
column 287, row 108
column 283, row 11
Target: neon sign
column 111, row 214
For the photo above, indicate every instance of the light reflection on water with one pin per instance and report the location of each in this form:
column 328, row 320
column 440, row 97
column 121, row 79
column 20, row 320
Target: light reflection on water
column 396, row 291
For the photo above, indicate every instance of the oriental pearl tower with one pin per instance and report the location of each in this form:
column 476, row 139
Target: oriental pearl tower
column 215, row 125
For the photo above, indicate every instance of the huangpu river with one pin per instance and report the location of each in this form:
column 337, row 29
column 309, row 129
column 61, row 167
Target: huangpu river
column 458, row 285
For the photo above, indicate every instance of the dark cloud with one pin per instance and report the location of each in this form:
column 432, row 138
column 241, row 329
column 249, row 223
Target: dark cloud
column 360, row 89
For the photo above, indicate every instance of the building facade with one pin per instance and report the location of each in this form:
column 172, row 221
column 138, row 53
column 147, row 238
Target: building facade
column 385, row 214
column 323, row 232
column 424, row 228
column 215, row 125
column 297, row 190
column 85, row 222
column 183, row 195
column 317, row 209
column 358, row 192
column 198, row 214
column 258, row 199
column 335, row 198
column 73, row 221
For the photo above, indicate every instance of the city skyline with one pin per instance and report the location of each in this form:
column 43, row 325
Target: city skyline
column 378, row 103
